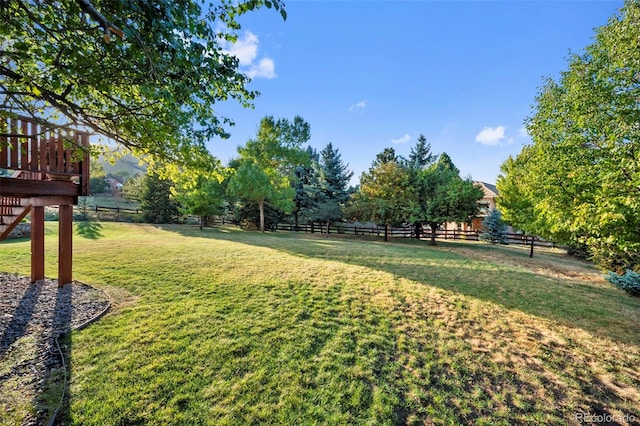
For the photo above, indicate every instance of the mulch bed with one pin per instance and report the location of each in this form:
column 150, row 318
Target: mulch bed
column 32, row 316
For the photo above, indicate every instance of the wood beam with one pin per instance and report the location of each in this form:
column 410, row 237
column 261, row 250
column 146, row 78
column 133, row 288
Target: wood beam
column 65, row 245
column 37, row 244
column 10, row 187
column 54, row 200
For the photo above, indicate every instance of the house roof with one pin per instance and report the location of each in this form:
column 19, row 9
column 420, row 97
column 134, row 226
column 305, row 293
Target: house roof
column 490, row 190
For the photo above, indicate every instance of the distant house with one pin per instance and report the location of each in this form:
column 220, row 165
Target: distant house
column 114, row 184
column 486, row 204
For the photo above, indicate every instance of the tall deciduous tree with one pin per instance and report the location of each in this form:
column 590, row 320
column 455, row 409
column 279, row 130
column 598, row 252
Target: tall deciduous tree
column 144, row 74
column 583, row 167
column 252, row 183
column 382, row 195
column 449, row 198
column 200, row 194
column 271, row 159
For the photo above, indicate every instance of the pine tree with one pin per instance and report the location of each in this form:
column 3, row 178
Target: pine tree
column 334, row 174
column 494, row 230
column 157, row 204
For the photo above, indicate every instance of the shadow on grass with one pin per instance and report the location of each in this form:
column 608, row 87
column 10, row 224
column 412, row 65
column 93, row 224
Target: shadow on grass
column 89, row 229
column 595, row 308
column 357, row 356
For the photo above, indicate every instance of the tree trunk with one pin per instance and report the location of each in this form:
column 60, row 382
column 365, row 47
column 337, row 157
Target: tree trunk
column 418, row 229
column 433, row 226
column 295, row 219
column 531, row 248
column 386, row 232
column 261, row 206
column 201, row 222
column 328, row 230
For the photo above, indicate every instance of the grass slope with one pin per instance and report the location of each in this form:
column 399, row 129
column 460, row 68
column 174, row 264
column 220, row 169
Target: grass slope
column 231, row 327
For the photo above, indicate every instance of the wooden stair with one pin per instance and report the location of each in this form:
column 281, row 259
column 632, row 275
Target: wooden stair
column 12, row 211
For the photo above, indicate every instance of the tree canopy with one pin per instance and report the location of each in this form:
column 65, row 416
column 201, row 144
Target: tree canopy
column 267, row 163
column 145, row 74
column 579, row 181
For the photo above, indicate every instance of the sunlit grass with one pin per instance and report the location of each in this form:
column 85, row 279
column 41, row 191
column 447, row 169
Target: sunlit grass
column 232, row 327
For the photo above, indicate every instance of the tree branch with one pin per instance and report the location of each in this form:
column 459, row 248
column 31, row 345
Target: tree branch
column 107, row 26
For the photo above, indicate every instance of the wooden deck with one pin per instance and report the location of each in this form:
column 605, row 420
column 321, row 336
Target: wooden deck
column 47, row 165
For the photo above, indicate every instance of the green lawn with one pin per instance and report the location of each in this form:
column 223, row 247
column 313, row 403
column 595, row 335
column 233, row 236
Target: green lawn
column 223, row 326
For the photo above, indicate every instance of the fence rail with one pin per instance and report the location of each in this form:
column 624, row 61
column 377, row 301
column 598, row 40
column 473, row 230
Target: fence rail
column 405, row 232
column 116, row 210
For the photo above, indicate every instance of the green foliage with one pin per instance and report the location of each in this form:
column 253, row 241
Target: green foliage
column 144, row 74
column 494, row 230
column 252, row 184
column 307, row 187
column 157, row 204
column 133, row 188
column 97, row 182
column 440, row 195
column 334, row 175
column 629, row 281
column 265, row 171
column 579, row 182
column 322, row 188
column 382, row 196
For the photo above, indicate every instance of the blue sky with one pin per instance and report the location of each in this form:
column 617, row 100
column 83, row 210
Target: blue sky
column 368, row 75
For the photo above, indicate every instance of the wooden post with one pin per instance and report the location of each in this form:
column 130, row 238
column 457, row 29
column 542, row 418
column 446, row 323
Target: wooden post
column 65, row 246
column 37, row 244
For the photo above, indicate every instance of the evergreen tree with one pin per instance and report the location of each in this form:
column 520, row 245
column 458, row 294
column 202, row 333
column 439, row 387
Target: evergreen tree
column 334, row 175
column 157, row 204
column 421, row 155
column 307, row 186
column 420, row 159
column 494, row 230
column 629, row 281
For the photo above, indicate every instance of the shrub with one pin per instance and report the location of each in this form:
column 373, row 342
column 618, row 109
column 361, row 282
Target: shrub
column 629, row 281
column 494, row 230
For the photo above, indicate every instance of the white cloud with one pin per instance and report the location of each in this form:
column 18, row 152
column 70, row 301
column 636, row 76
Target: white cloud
column 491, row 135
column 246, row 50
column 360, row 105
column 265, row 69
column 403, row 139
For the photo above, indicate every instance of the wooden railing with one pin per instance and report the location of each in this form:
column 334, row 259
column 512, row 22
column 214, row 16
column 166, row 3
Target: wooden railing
column 56, row 152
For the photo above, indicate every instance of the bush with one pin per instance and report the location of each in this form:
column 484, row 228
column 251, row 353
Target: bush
column 494, row 230
column 629, row 281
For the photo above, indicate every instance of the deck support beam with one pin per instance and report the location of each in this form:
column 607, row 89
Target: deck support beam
column 37, row 243
column 65, row 246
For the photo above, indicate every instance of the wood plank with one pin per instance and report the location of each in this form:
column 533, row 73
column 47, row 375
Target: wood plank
column 60, row 153
column 15, row 147
column 85, row 169
column 4, row 146
column 37, row 244
column 51, row 159
column 24, row 145
column 36, row 188
column 35, row 148
column 65, row 245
